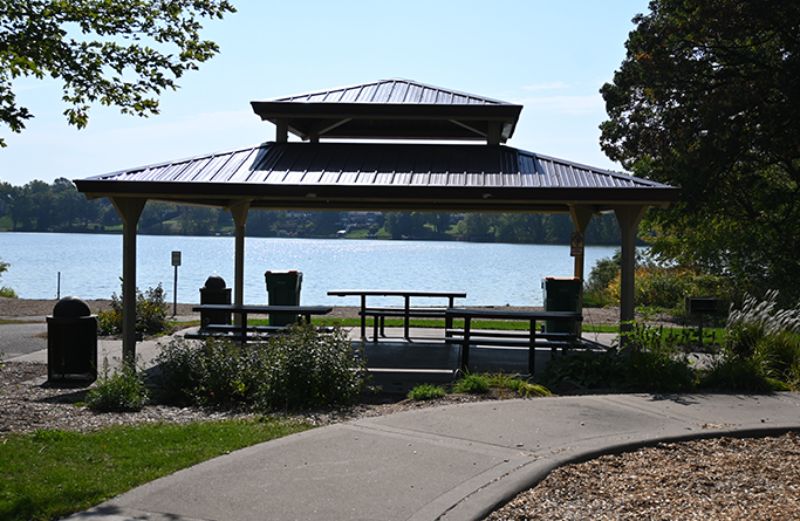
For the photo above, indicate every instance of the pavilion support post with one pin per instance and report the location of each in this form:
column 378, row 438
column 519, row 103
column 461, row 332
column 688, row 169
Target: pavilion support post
column 493, row 136
column 239, row 213
column 281, row 131
column 581, row 215
column 129, row 210
column 628, row 218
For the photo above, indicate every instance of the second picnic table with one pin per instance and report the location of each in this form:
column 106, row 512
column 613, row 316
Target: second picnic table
column 406, row 312
column 467, row 336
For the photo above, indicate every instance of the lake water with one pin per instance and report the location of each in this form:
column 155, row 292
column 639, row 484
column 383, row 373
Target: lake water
column 90, row 266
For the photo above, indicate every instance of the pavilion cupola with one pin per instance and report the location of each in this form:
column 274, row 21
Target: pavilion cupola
column 390, row 109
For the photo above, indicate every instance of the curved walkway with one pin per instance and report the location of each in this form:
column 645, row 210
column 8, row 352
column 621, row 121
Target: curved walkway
column 451, row 463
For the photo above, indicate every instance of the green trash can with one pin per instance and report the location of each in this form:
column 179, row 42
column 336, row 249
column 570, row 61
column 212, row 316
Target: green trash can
column 71, row 343
column 562, row 294
column 283, row 288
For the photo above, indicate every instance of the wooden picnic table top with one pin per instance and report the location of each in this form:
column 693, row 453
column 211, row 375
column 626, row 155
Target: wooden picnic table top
column 511, row 314
column 246, row 308
column 395, row 293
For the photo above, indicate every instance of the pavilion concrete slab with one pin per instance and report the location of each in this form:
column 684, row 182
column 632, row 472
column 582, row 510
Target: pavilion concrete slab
column 454, row 462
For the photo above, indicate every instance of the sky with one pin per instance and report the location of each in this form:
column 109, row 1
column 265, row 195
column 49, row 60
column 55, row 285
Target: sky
column 552, row 57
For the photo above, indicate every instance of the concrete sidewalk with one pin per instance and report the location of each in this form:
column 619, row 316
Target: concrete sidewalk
column 452, row 463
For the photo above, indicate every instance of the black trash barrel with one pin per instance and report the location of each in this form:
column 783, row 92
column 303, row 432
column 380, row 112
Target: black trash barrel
column 71, row 342
column 562, row 294
column 283, row 288
column 215, row 292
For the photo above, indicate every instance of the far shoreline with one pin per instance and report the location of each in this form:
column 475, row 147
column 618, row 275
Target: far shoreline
column 639, row 242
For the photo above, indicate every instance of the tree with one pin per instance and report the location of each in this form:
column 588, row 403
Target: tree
column 476, row 227
column 113, row 53
column 4, row 291
column 708, row 99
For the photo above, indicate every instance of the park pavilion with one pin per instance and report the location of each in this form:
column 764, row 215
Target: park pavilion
column 413, row 156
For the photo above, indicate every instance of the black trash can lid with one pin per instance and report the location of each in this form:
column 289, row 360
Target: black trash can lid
column 215, row 282
column 71, row 307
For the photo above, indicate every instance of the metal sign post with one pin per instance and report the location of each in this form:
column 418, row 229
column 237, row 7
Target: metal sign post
column 176, row 261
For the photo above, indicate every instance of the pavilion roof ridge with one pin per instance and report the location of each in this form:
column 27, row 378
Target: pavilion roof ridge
column 394, row 108
column 390, row 91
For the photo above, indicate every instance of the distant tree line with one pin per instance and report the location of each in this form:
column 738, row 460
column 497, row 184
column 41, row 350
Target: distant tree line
column 498, row 227
column 59, row 207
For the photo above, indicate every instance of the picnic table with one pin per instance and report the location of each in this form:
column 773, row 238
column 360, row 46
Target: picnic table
column 379, row 314
column 241, row 329
column 468, row 336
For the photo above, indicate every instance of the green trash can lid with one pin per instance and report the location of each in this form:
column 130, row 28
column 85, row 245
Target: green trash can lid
column 215, row 282
column 71, row 307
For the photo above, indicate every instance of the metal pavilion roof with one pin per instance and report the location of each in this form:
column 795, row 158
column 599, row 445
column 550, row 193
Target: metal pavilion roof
column 392, row 109
column 395, row 90
column 381, row 176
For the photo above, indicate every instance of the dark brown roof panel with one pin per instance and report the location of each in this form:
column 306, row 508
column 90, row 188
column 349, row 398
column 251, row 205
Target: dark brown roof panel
column 391, row 109
column 395, row 90
column 381, row 176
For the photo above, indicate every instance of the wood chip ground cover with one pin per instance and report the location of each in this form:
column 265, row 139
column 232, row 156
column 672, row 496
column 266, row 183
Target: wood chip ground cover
column 720, row 479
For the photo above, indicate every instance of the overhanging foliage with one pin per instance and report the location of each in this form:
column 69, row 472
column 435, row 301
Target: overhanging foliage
column 708, row 98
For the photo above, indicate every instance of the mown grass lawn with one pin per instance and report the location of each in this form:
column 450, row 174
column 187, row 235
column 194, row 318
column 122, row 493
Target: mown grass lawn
column 51, row 473
column 432, row 323
column 711, row 336
column 476, row 324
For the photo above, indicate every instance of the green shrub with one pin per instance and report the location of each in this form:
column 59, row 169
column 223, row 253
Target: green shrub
column 780, row 354
column 595, row 292
column 303, row 368
column 517, row 385
column 732, row 373
column 426, row 392
column 648, row 362
column 762, row 348
column 627, row 370
column 584, row 371
column 657, row 286
column 666, row 287
column 180, row 371
column 151, row 313
column 657, row 371
column 109, row 322
column 224, row 373
column 306, row 368
column 121, row 391
column 6, row 291
column 741, row 339
column 472, row 384
column 216, row 372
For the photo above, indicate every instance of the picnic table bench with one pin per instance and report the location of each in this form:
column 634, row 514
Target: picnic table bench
column 380, row 313
column 244, row 332
column 467, row 336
